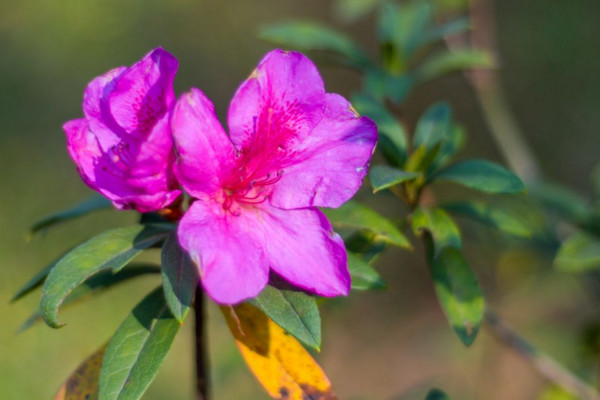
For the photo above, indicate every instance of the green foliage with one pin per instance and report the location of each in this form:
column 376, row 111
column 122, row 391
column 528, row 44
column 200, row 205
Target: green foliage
column 358, row 216
column 439, row 225
column 459, row 293
column 112, row 249
column 138, row 348
column 433, row 126
column 364, row 276
column 93, row 203
column 579, row 253
column 445, row 62
column 437, row 394
column 481, row 175
column 296, row 312
column 383, row 177
column 97, row 284
column 180, row 278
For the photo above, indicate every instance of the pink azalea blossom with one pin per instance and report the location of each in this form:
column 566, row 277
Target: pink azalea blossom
column 123, row 147
column 291, row 148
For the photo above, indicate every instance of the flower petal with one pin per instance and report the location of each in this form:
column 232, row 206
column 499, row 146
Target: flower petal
column 83, row 149
column 279, row 104
column 302, row 248
column 204, row 150
column 226, row 250
column 143, row 94
column 327, row 168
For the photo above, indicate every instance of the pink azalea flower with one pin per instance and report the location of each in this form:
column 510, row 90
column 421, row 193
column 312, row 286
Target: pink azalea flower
column 123, row 147
column 291, row 148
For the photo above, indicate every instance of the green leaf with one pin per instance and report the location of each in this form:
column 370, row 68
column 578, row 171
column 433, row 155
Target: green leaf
column 89, row 205
column 481, row 175
column 496, row 217
column 112, row 249
column 383, row 177
column 440, row 226
column 446, row 61
column 458, row 292
column 365, row 243
column 452, row 27
column 380, row 85
column 433, row 126
column 296, row 312
column 94, row 285
column 351, row 10
column 579, row 253
column 364, row 276
column 308, row 36
column 437, row 394
column 358, row 216
column 404, row 25
column 180, row 278
column 137, row 349
column 450, row 146
column 392, row 137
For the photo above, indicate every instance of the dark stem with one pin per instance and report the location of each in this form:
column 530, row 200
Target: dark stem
column 201, row 347
column 546, row 365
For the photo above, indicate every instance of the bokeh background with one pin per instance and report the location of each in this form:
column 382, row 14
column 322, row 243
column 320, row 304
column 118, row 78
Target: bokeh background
column 380, row 345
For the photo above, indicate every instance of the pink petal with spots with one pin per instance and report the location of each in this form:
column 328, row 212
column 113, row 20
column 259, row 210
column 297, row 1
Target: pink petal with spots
column 328, row 166
column 227, row 251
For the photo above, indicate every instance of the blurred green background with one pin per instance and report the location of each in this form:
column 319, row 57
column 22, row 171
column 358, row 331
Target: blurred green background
column 378, row 345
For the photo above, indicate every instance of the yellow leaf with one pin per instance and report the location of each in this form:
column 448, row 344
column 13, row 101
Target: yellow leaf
column 279, row 362
column 83, row 382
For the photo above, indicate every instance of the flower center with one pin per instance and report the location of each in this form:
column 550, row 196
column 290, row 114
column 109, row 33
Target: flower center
column 247, row 192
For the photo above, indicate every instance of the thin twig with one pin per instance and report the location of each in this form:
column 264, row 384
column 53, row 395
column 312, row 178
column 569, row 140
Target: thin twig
column 202, row 392
column 546, row 365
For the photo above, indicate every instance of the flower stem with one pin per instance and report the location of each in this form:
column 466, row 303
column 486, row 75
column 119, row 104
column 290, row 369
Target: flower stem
column 201, row 346
column 546, row 365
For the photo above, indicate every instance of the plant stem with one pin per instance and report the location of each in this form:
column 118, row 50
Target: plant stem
column 546, row 365
column 201, row 346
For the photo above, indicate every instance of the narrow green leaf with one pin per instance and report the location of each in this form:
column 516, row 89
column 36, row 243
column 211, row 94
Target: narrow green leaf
column 137, row 349
column 380, row 85
column 364, row 276
column 579, row 253
column 111, row 249
column 437, row 394
column 496, row 217
column 405, row 25
column 94, row 285
column 358, row 216
column 440, row 226
column 433, row 126
column 450, row 146
column 294, row 311
column 180, row 278
column 446, row 61
column 481, row 175
column 89, row 205
column 392, row 137
column 458, row 292
column 452, row 27
column 365, row 244
column 308, row 36
column 383, row 177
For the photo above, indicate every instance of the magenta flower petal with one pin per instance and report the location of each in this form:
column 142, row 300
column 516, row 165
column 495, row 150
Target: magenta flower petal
column 205, row 152
column 227, row 251
column 330, row 164
column 302, row 248
column 125, row 150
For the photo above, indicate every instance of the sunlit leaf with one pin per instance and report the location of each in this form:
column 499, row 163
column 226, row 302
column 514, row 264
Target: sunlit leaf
column 439, row 225
column 383, row 177
column 83, row 382
column 180, row 278
column 392, row 137
column 358, row 216
column 433, row 126
column 309, row 36
column 447, row 61
column 437, row 394
column 112, row 249
column 364, row 276
column 94, row 285
column 137, row 349
column 481, row 175
column 279, row 362
column 496, row 217
column 579, row 253
column 296, row 312
column 458, row 292
column 89, row 205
